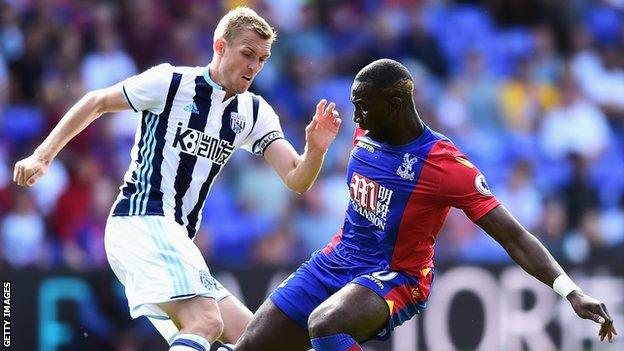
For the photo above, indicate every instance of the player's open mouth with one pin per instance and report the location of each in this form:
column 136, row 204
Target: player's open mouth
column 247, row 78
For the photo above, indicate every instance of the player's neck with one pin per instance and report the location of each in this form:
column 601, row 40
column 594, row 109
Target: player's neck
column 214, row 77
column 410, row 129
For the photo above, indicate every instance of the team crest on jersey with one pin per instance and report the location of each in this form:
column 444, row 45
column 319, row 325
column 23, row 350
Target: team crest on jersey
column 370, row 199
column 405, row 170
column 237, row 122
column 482, row 185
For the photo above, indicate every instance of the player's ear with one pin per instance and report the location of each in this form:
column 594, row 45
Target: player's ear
column 219, row 46
column 396, row 105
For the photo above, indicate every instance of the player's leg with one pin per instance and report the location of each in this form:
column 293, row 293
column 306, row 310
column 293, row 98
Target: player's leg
column 165, row 327
column 166, row 277
column 236, row 317
column 280, row 324
column 212, row 315
column 198, row 320
column 271, row 329
column 169, row 331
column 354, row 313
column 368, row 308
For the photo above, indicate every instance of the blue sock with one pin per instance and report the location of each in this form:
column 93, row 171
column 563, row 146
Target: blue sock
column 336, row 342
column 189, row 342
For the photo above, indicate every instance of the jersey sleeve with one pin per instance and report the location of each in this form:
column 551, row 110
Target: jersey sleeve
column 464, row 187
column 266, row 130
column 148, row 90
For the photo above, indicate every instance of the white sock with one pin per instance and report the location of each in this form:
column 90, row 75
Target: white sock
column 218, row 346
column 189, row 342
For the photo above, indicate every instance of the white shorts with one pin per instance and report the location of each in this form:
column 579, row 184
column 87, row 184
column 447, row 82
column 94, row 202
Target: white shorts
column 156, row 261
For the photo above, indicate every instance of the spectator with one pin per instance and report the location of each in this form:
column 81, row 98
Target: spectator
column 587, row 243
column 108, row 63
column 521, row 196
column 553, row 226
column 576, row 126
column 23, row 232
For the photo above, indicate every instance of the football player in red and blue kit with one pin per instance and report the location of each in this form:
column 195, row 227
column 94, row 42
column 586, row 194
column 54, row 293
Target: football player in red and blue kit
column 377, row 272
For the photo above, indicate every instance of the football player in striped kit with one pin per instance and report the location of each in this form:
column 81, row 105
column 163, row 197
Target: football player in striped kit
column 193, row 119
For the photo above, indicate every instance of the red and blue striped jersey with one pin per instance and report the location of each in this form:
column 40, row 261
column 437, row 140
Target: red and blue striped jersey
column 400, row 197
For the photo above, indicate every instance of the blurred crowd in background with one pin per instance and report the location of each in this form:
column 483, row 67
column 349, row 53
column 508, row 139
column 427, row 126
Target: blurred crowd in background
column 531, row 90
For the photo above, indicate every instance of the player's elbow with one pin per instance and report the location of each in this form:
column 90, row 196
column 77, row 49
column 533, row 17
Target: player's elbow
column 104, row 100
column 95, row 101
column 297, row 183
column 298, row 187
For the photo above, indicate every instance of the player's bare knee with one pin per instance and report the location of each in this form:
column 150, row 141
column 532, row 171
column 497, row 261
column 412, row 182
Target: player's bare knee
column 207, row 325
column 323, row 321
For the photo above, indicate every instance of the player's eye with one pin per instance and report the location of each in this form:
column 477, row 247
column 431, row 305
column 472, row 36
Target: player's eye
column 359, row 107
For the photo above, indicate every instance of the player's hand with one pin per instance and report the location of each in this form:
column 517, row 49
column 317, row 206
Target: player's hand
column 29, row 170
column 324, row 126
column 589, row 308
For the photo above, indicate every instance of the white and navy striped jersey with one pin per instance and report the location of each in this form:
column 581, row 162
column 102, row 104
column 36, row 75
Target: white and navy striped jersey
column 188, row 131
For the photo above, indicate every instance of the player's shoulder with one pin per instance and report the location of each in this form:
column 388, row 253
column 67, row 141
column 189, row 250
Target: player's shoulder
column 160, row 68
column 164, row 71
column 192, row 71
column 257, row 97
column 263, row 106
column 189, row 76
column 446, row 152
column 435, row 135
column 166, row 68
column 435, row 143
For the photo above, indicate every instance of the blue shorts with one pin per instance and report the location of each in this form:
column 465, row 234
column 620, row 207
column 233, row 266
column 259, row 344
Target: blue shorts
column 316, row 280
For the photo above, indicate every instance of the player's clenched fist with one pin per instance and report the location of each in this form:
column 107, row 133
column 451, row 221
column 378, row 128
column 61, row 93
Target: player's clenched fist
column 29, row 170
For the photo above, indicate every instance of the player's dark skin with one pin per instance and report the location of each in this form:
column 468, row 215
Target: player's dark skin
column 392, row 118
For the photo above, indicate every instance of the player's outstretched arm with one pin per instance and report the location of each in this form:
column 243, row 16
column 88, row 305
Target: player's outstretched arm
column 85, row 111
column 533, row 257
column 300, row 171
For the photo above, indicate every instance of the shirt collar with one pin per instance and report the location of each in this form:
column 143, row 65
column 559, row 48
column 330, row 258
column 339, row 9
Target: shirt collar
column 210, row 81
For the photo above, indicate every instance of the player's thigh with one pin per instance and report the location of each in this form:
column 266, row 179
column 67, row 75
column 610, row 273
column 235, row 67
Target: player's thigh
column 235, row 317
column 271, row 330
column 354, row 309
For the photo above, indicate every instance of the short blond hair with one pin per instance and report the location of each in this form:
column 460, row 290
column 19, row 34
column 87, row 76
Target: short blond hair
column 241, row 18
